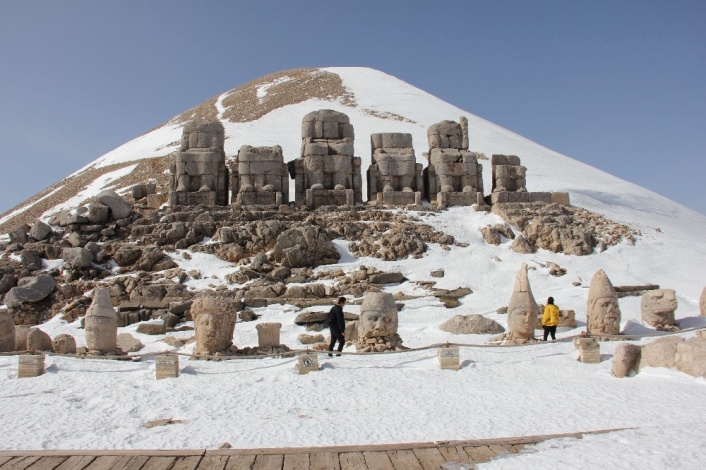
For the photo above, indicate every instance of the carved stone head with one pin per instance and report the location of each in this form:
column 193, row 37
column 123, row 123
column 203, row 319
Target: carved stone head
column 378, row 316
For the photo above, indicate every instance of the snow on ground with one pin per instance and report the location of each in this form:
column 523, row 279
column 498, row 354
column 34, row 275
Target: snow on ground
column 499, row 392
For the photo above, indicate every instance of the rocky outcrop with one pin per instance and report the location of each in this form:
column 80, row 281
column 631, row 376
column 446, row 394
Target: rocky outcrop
column 305, row 246
column 473, row 324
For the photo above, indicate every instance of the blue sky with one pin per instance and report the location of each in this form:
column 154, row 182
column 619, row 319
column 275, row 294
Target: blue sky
column 617, row 85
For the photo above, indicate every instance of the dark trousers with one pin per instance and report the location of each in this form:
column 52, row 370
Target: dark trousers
column 549, row 329
column 336, row 335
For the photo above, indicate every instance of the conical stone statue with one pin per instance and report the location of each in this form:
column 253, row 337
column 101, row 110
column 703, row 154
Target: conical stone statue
column 603, row 312
column 101, row 324
column 523, row 310
column 7, row 332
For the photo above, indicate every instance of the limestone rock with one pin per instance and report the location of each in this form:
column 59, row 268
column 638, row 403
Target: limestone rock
column 378, row 315
column 152, row 328
column 523, row 309
column 64, row 344
column 471, row 324
column 658, row 307
column 268, row 334
column 97, row 213
column 127, row 255
column 40, row 230
column 522, row 245
column 214, row 321
column 660, row 352
column 603, row 311
column 118, row 206
column 101, row 323
column 30, row 289
column 31, row 260
column 21, row 333
column 77, row 257
column 38, row 340
column 128, row 343
column 7, row 282
column 7, row 332
column 173, row 341
column 702, row 303
column 387, row 278
column 625, row 359
column 311, row 339
column 691, row 357
column 304, row 247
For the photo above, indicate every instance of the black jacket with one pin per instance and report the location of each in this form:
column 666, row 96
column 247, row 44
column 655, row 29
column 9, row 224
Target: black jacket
column 336, row 320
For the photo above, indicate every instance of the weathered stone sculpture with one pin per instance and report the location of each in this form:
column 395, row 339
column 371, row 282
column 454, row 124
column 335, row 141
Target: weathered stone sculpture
column 660, row 352
column 259, row 176
column 377, row 324
column 7, row 332
column 101, row 324
column 523, row 310
column 658, row 308
column 454, row 176
column 214, row 321
column 603, row 313
column 199, row 175
column 702, row 303
column 327, row 172
column 691, row 357
column 625, row 359
column 268, row 334
column 394, row 176
column 510, row 183
column 64, row 344
column 38, row 340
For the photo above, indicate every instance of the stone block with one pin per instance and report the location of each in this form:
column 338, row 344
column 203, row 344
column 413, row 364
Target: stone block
column 154, row 201
column 166, row 367
column 449, row 357
column 268, row 334
column 589, row 350
column 691, row 357
column 307, row 363
column 561, row 198
column 30, row 366
column 540, row 197
column 626, row 359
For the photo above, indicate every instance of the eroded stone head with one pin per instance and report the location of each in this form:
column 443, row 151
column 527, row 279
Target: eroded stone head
column 214, row 321
column 378, row 316
column 523, row 310
column 603, row 311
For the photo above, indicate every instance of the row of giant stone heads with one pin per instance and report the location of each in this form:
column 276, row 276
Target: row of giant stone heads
column 327, row 172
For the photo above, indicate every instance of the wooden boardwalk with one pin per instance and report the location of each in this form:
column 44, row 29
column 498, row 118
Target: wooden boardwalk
column 413, row 456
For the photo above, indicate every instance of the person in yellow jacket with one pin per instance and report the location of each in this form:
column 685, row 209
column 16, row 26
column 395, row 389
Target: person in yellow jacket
column 550, row 319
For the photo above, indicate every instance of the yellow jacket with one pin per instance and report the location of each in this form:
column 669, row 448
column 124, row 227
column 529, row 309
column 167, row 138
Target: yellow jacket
column 550, row 316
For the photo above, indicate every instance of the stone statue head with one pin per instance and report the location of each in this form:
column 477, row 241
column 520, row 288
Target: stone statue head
column 603, row 310
column 378, row 315
column 523, row 309
column 214, row 322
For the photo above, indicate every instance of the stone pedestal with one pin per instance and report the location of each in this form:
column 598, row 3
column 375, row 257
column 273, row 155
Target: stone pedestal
column 307, row 363
column 589, row 350
column 30, row 366
column 400, row 198
column 329, row 197
column 445, row 199
column 449, row 357
column 167, row 367
column 268, row 334
column 259, row 198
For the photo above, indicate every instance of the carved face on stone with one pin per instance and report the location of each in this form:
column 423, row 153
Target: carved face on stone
column 214, row 322
column 378, row 316
column 604, row 316
column 521, row 323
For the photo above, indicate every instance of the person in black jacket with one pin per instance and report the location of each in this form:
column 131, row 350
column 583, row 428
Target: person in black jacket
column 337, row 325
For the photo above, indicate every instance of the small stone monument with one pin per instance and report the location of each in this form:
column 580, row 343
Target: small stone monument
column 327, row 172
column 394, row 176
column 259, row 176
column 702, row 303
column 101, row 324
column 268, row 334
column 657, row 309
column 449, row 357
column 7, row 332
column 603, row 312
column 214, row 322
column 307, row 363
column 589, row 350
column 200, row 175
column 167, row 366
column 30, row 365
column 522, row 310
column 454, row 176
column 377, row 324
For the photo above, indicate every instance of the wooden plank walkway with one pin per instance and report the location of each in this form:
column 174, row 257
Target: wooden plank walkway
column 411, row 456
